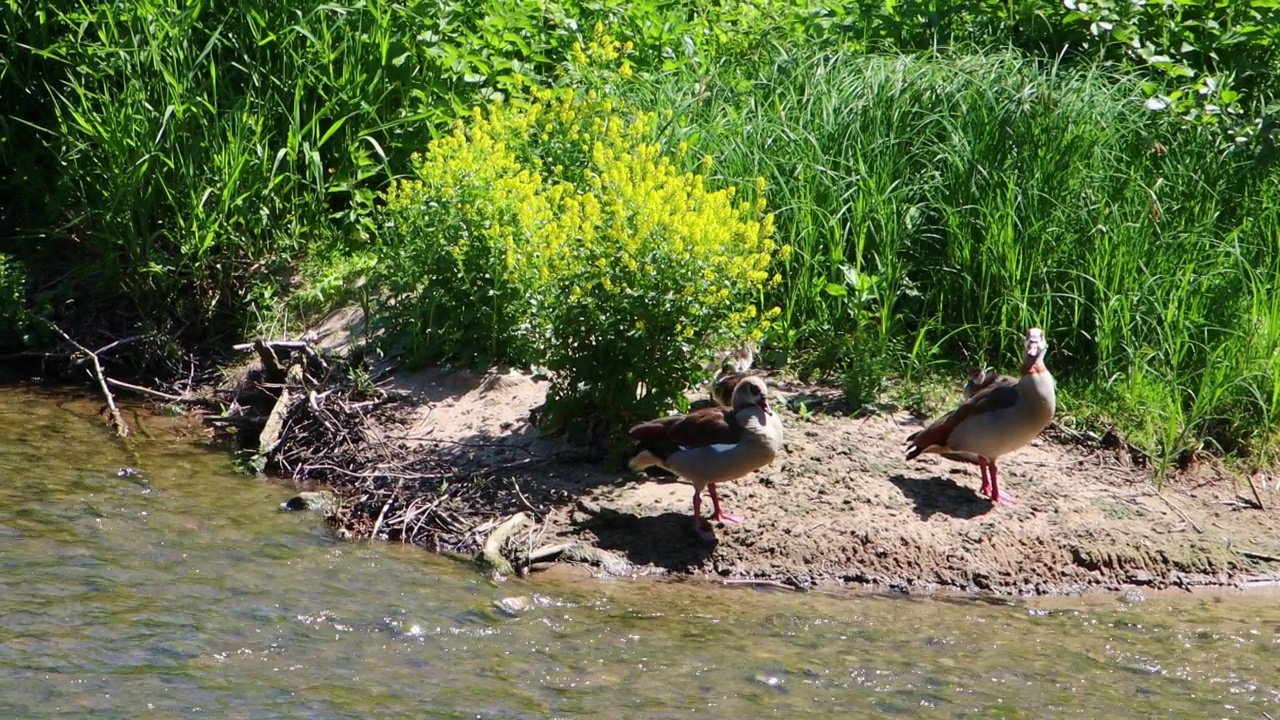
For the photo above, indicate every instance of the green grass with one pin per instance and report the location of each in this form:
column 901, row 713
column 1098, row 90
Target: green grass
column 941, row 205
column 179, row 162
column 209, row 168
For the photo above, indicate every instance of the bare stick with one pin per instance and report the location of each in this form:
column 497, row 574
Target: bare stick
column 760, row 583
column 377, row 525
column 121, row 428
column 1178, row 510
column 112, row 346
column 274, row 344
column 548, row 551
column 1256, row 497
column 524, row 500
column 1255, row 555
column 149, row 391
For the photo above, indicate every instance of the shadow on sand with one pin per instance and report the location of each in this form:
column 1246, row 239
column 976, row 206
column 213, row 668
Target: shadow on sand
column 933, row 495
column 666, row 540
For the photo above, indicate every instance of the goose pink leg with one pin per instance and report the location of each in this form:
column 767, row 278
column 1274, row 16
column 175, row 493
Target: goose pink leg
column 698, row 527
column 995, row 495
column 717, row 513
column 986, row 478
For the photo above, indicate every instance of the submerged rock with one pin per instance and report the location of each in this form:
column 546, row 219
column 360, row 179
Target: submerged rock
column 321, row 501
column 514, row 606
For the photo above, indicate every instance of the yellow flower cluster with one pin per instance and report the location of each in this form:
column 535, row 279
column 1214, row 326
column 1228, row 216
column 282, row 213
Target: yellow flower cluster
column 603, row 51
column 572, row 203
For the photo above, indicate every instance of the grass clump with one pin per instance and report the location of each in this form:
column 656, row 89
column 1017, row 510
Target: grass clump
column 940, row 204
column 179, row 163
column 563, row 234
column 15, row 317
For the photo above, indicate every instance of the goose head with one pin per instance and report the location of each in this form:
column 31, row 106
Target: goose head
column 751, row 391
column 1036, row 346
column 738, row 361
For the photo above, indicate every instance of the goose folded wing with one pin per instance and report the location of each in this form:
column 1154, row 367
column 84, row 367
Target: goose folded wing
column 708, row 426
column 993, row 398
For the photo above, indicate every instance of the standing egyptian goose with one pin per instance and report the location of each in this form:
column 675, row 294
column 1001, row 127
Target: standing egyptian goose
column 996, row 420
column 732, row 371
column 713, row 445
column 980, row 379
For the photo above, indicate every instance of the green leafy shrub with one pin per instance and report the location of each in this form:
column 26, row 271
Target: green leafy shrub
column 560, row 233
column 14, row 315
column 175, row 162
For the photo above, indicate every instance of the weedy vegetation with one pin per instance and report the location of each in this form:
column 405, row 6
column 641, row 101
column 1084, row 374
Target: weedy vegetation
column 559, row 234
column 885, row 193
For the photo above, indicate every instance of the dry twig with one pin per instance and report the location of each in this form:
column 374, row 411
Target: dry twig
column 120, row 427
column 1257, row 497
column 1180, row 512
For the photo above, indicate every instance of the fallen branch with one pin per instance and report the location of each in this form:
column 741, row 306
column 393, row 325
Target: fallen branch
column 152, row 393
column 113, row 345
column 273, row 344
column 547, row 552
column 515, row 485
column 1255, row 555
column 754, row 582
column 272, row 431
column 1180, row 512
column 120, row 427
column 377, row 525
column 491, row 553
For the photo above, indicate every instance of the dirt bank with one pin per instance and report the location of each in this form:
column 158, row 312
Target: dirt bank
column 842, row 505
column 446, row 459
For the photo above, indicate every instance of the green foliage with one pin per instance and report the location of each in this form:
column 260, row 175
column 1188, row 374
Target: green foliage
column 14, row 315
column 1103, row 168
column 941, row 205
column 560, row 234
column 177, row 161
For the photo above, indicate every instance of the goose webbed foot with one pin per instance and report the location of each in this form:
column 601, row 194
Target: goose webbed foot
column 717, row 513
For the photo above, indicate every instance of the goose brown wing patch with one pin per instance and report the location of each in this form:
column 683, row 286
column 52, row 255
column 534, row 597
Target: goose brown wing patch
column 708, row 426
column 714, row 426
column 654, row 429
column 997, row 396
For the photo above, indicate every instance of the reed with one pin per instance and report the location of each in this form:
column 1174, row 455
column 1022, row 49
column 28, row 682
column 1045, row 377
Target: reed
column 940, row 204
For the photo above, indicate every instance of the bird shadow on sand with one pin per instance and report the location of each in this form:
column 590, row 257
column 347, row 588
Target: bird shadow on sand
column 666, row 540
column 933, row 495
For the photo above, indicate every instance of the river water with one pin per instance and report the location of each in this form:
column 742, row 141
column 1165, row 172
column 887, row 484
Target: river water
column 185, row 593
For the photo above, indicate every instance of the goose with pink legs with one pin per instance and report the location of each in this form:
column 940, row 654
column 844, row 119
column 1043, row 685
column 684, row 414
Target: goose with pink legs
column 996, row 420
column 713, row 445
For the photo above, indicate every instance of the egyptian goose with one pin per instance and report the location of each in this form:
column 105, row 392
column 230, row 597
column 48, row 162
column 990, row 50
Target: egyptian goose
column 734, row 368
column 980, row 379
column 713, row 445
column 996, row 420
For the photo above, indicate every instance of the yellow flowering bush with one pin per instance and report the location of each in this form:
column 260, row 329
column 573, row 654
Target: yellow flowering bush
column 560, row 233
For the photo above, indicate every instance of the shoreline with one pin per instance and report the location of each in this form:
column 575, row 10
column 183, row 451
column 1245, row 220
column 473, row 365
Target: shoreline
column 448, row 461
column 463, row 472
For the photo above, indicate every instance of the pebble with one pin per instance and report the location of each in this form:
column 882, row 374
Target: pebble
column 770, row 680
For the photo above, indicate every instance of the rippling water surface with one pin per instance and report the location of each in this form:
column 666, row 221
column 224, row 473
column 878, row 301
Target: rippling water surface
column 185, row 593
